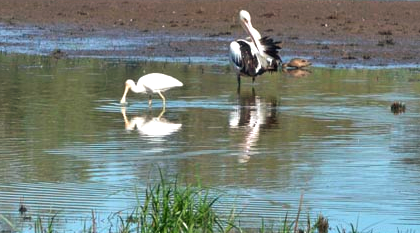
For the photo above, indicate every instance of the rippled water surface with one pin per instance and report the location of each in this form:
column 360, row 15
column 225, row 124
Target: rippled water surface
column 67, row 146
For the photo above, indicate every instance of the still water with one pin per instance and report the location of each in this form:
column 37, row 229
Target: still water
column 67, row 147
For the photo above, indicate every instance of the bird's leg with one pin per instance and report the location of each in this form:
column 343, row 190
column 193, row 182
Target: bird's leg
column 239, row 84
column 150, row 101
column 239, row 79
column 253, row 80
column 238, row 90
column 163, row 99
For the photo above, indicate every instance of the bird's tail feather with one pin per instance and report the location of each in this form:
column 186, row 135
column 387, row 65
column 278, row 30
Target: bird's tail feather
column 271, row 47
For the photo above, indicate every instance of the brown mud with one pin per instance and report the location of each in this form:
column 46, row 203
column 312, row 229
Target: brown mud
column 352, row 33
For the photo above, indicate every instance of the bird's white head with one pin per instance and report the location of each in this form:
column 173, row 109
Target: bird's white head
column 245, row 17
column 130, row 84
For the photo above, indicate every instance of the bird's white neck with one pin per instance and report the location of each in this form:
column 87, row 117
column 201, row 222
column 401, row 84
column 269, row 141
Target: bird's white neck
column 137, row 88
column 130, row 84
column 254, row 35
column 257, row 37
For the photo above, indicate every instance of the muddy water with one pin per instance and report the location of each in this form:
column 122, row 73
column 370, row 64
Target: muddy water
column 67, row 146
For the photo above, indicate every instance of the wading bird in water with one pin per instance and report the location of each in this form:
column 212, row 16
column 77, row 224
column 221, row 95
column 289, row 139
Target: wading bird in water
column 151, row 83
column 255, row 55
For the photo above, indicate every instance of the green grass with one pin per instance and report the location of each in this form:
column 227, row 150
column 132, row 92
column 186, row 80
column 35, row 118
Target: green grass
column 48, row 228
column 168, row 207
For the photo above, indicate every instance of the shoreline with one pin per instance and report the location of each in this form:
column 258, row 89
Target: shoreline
column 348, row 34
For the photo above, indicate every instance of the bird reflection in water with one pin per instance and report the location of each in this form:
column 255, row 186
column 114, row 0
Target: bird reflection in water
column 251, row 114
column 150, row 126
column 297, row 73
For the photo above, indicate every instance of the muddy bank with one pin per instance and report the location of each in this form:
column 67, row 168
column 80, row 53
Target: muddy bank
column 328, row 32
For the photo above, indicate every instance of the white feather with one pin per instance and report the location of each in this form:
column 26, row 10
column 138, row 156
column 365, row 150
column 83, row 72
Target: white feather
column 155, row 82
column 235, row 54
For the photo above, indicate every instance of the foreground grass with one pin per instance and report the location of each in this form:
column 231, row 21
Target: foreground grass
column 169, row 208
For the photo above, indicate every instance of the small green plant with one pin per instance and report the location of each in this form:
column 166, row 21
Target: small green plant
column 322, row 224
column 167, row 207
column 39, row 228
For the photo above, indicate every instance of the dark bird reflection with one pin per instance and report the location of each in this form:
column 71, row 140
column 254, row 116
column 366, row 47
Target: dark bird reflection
column 251, row 114
column 150, row 126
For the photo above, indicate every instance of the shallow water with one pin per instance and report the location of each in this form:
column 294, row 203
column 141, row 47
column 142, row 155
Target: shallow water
column 160, row 46
column 68, row 147
column 108, row 44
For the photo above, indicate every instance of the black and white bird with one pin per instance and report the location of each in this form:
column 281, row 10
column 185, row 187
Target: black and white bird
column 254, row 55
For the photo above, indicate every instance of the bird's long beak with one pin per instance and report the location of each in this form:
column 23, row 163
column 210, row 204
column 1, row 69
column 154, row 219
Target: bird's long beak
column 248, row 29
column 125, row 93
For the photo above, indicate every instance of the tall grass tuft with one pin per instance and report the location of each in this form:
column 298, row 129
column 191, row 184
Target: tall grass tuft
column 40, row 228
column 167, row 207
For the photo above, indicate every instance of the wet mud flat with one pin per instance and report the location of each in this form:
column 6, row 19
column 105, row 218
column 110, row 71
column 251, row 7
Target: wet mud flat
column 332, row 33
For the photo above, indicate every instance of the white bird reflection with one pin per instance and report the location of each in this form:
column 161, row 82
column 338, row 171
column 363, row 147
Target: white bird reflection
column 251, row 113
column 150, row 126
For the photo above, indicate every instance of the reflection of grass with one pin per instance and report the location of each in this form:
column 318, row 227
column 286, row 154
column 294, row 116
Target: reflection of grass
column 168, row 207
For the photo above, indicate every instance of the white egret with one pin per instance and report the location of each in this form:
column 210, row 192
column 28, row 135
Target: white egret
column 151, row 83
column 255, row 55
